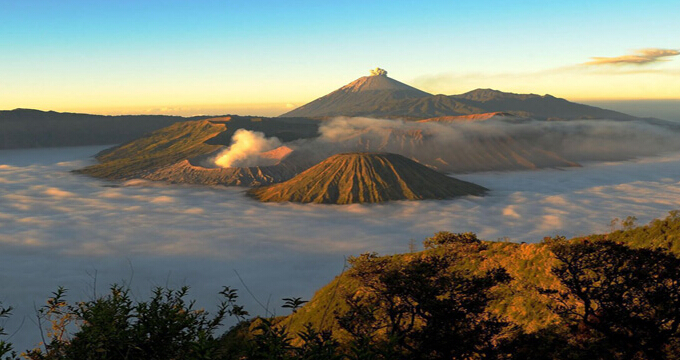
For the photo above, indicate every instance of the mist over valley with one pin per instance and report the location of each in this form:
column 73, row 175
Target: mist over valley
column 150, row 233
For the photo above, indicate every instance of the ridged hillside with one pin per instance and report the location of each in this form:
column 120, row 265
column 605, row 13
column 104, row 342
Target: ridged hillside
column 161, row 148
column 366, row 178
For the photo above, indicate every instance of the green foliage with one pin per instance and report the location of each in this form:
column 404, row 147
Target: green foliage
column 167, row 326
column 663, row 233
column 293, row 303
column 6, row 351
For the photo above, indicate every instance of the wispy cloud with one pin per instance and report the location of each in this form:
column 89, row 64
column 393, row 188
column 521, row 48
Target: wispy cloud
column 639, row 57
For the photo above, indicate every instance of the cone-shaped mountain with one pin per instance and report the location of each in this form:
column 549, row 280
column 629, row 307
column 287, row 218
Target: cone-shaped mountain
column 366, row 178
column 363, row 94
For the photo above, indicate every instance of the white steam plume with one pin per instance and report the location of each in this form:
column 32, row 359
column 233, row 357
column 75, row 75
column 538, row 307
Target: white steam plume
column 245, row 149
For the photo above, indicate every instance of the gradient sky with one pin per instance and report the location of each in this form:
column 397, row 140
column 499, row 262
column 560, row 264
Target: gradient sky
column 264, row 57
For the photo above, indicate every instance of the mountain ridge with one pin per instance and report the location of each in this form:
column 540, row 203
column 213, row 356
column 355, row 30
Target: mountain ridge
column 382, row 96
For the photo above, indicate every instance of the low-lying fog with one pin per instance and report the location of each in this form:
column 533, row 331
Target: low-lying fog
column 57, row 228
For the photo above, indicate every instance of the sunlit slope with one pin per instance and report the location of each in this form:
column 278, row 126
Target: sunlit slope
column 166, row 154
column 161, row 148
column 366, row 178
column 470, row 118
column 358, row 98
column 520, row 301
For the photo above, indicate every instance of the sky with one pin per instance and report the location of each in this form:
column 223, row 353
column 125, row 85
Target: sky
column 267, row 57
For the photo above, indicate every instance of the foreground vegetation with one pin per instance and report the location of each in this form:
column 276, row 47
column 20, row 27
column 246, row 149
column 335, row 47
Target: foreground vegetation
column 613, row 296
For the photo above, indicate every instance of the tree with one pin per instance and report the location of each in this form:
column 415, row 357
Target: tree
column 619, row 302
column 6, row 351
column 448, row 238
column 422, row 309
column 167, row 326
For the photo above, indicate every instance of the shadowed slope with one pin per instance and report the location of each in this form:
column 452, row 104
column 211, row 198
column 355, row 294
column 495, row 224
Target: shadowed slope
column 26, row 128
column 366, row 178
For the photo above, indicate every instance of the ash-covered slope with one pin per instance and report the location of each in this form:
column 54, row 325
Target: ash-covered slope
column 366, row 178
column 184, row 172
column 383, row 97
column 361, row 97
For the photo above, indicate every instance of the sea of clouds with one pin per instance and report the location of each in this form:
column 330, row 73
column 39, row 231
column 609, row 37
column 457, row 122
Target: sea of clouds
column 573, row 140
column 62, row 229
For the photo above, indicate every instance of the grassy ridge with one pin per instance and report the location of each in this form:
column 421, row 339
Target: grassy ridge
column 161, row 148
column 520, row 301
column 187, row 140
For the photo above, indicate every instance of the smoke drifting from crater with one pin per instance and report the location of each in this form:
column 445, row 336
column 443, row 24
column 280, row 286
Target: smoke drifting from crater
column 245, row 149
column 378, row 71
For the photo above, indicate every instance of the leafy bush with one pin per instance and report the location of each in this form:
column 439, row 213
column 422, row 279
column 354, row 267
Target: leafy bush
column 167, row 326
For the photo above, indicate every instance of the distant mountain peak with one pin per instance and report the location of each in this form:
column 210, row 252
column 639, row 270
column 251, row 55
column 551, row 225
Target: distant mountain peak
column 380, row 82
column 364, row 92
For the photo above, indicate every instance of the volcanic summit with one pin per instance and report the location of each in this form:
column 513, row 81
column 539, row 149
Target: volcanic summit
column 365, row 94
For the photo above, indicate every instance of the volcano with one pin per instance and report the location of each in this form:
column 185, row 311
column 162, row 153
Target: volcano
column 366, row 95
column 366, row 178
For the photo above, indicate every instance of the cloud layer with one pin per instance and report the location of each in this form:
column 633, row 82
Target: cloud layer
column 471, row 146
column 57, row 228
column 639, row 57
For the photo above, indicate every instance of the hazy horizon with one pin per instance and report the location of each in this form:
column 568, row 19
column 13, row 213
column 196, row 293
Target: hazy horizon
column 666, row 109
column 173, row 56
